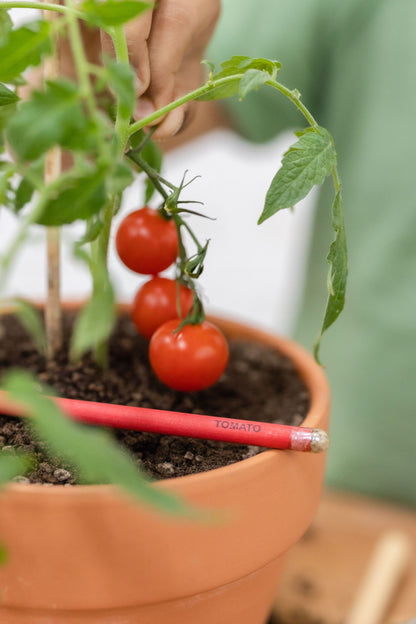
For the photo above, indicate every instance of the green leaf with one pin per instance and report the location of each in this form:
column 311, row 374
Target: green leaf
column 32, row 321
column 137, row 138
column 251, row 81
column 3, row 555
column 95, row 455
column 122, row 80
column 112, row 12
column 5, row 186
column 307, row 163
column 221, row 92
column 238, row 66
column 25, row 190
column 93, row 230
column 13, row 465
column 96, row 320
column 153, row 156
column 119, row 178
column 7, row 96
column 51, row 117
column 209, row 65
column 24, row 193
column 338, row 271
column 6, row 26
column 6, row 113
column 80, row 196
column 24, row 47
column 243, row 64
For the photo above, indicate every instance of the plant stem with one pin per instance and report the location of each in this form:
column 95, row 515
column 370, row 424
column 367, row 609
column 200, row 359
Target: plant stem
column 122, row 135
column 192, row 95
column 122, row 117
column 42, row 6
column 210, row 86
column 294, row 97
column 149, row 171
column 81, row 63
column 103, row 240
column 337, row 181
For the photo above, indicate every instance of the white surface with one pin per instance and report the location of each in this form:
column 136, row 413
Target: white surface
column 252, row 272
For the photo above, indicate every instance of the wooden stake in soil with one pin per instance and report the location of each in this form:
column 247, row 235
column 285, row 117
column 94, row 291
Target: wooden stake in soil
column 53, row 310
column 385, row 571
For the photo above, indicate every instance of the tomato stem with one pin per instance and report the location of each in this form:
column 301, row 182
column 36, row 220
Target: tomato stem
column 151, row 173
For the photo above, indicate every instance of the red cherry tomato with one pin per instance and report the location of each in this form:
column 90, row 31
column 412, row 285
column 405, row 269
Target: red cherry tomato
column 191, row 359
column 146, row 242
column 156, row 302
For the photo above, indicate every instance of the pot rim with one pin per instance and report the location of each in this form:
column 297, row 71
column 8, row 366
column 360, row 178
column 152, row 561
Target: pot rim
column 309, row 370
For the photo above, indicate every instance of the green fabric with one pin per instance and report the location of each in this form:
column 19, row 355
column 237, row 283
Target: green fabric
column 354, row 63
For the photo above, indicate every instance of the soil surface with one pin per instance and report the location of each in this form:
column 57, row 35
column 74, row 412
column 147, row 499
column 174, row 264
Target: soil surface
column 259, row 384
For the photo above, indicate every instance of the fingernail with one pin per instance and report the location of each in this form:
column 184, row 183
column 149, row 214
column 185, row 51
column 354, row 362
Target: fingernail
column 144, row 108
column 179, row 127
column 138, row 86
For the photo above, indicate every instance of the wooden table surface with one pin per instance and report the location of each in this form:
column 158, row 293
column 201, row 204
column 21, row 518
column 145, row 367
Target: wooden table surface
column 324, row 570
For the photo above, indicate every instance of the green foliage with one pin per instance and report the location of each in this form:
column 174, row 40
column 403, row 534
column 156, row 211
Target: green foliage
column 6, row 25
column 23, row 47
column 6, row 113
column 96, row 319
column 252, row 80
column 233, row 80
column 6, row 175
column 80, row 195
column 93, row 230
column 112, row 12
column 13, row 465
column 6, row 96
column 122, row 78
column 3, row 555
column 51, row 117
column 31, row 320
column 119, row 178
column 34, row 176
column 152, row 154
column 307, row 163
column 338, row 271
column 72, row 117
column 94, row 454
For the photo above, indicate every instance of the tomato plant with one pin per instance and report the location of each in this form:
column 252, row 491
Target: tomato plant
column 190, row 358
column 147, row 242
column 157, row 302
column 91, row 122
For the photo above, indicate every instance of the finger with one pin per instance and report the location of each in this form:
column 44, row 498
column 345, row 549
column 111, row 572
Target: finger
column 169, row 41
column 186, row 79
column 180, row 32
column 137, row 34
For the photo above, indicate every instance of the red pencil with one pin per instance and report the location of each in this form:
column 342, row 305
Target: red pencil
column 197, row 426
column 186, row 425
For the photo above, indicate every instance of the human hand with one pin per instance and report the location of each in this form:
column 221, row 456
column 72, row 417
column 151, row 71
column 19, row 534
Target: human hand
column 166, row 46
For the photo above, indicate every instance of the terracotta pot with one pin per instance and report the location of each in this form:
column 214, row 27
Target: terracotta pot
column 87, row 554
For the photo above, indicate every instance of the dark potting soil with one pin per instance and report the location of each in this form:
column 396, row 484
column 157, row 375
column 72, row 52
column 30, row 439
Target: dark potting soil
column 259, row 384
